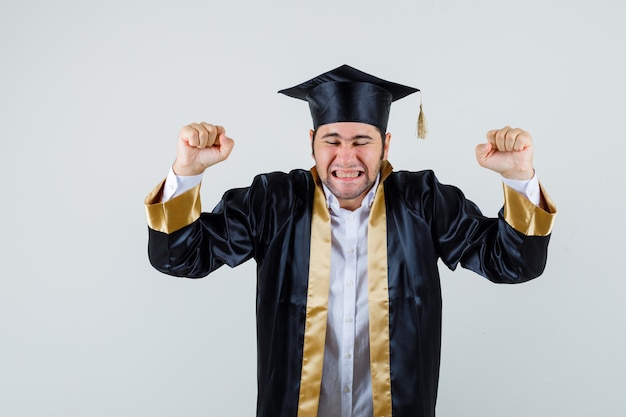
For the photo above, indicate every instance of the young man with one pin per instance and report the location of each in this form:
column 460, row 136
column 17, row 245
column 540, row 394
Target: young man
column 348, row 294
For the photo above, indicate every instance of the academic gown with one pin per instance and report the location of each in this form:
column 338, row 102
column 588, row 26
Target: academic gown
column 282, row 221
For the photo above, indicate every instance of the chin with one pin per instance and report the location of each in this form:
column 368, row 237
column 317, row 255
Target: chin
column 350, row 192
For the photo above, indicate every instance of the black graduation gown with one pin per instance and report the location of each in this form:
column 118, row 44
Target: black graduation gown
column 422, row 221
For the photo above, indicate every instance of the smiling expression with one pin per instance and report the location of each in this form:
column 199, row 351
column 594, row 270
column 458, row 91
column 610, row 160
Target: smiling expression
column 348, row 157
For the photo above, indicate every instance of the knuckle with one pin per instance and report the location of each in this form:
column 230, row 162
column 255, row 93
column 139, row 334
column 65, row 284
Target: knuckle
column 186, row 130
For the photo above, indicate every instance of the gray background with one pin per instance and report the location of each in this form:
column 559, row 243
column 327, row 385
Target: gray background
column 92, row 95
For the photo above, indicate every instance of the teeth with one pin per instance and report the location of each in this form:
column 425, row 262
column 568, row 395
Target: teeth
column 352, row 174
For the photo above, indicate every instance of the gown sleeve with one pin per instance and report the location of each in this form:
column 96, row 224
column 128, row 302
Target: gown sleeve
column 511, row 248
column 183, row 241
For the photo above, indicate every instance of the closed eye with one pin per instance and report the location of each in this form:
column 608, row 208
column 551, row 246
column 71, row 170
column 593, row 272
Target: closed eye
column 334, row 139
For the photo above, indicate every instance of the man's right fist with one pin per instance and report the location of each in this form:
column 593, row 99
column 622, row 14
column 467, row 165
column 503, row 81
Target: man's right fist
column 200, row 145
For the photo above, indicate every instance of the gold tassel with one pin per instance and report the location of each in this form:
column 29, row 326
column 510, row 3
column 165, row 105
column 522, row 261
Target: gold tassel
column 422, row 130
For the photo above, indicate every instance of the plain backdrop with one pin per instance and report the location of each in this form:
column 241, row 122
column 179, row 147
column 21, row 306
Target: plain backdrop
column 92, row 95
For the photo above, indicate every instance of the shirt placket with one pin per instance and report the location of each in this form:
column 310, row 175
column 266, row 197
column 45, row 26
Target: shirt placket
column 349, row 311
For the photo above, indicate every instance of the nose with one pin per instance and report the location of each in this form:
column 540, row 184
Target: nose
column 346, row 154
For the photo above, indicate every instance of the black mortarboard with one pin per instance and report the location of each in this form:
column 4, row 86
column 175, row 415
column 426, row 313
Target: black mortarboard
column 346, row 94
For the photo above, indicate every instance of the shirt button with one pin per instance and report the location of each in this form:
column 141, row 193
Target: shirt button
column 351, row 217
column 350, row 283
column 346, row 389
column 349, row 320
column 350, row 251
column 348, row 356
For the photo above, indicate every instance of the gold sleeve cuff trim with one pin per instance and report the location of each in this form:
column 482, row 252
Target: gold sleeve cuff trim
column 527, row 218
column 173, row 214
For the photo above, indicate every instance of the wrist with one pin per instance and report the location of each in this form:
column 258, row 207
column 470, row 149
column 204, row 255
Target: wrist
column 519, row 175
column 185, row 170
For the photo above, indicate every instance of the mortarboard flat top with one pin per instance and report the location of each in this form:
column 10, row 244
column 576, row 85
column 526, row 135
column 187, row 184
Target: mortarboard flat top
column 346, row 94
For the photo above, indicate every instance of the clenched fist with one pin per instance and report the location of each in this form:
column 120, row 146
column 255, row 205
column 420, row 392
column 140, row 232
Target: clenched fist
column 508, row 151
column 201, row 145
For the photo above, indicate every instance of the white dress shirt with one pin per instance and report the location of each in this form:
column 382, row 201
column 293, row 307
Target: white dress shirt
column 346, row 381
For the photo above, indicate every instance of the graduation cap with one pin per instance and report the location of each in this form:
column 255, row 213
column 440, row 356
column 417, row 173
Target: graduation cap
column 346, row 94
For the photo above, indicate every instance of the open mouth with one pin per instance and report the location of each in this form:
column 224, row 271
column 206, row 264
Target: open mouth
column 346, row 174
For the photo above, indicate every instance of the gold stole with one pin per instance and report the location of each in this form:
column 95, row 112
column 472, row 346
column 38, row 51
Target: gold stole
column 317, row 303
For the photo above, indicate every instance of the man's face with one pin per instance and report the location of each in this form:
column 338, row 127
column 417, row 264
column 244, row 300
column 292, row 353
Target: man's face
column 348, row 157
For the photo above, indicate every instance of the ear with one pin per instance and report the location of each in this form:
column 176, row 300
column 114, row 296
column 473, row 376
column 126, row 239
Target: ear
column 311, row 133
column 386, row 146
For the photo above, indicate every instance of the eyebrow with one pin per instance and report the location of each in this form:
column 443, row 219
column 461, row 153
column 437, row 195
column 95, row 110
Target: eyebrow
column 355, row 137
